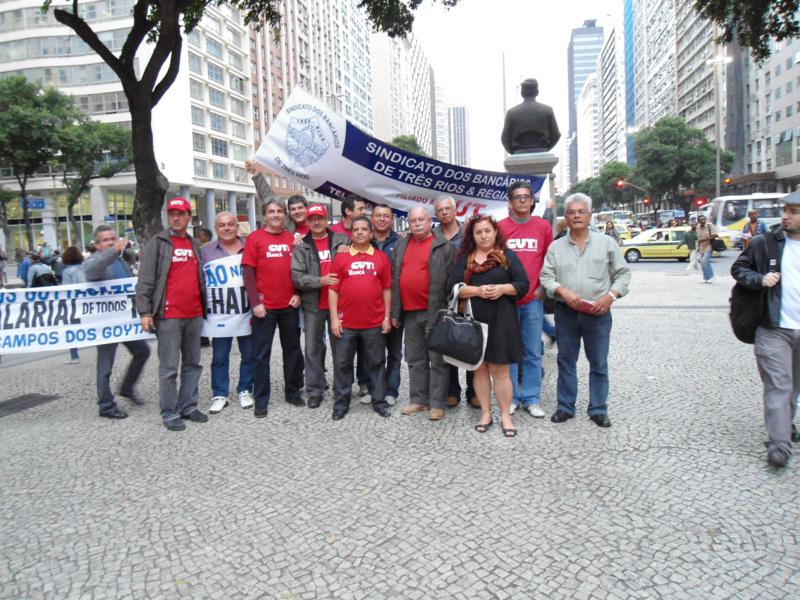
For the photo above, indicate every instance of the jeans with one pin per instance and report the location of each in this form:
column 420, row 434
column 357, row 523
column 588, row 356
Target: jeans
column 571, row 327
column 73, row 354
column 527, row 392
column 316, row 325
column 287, row 321
column 140, row 352
column 373, row 343
column 394, row 358
column 705, row 263
column 178, row 350
column 427, row 371
column 547, row 327
column 220, row 365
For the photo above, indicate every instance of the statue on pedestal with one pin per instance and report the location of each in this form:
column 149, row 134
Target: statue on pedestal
column 530, row 126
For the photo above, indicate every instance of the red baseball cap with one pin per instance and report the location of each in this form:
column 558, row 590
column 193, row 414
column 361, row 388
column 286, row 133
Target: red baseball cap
column 317, row 210
column 179, row 204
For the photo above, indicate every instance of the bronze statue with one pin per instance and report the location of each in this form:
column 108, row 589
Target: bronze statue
column 530, row 126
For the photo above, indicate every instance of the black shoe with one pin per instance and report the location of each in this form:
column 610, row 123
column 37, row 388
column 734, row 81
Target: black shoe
column 196, row 416
column 260, row 413
column 338, row 415
column 383, row 411
column 314, row 402
column 175, row 424
column 115, row 412
column 601, row 420
column 133, row 397
column 560, row 417
column 777, row 457
column 296, row 401
column 795, row 434
column 205, row 342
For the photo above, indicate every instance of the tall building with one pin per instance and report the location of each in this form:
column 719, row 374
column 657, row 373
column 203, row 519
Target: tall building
column 611, row 118
column 441, row 125
column 654, row 61
column 584, row 47
column 589, row 139
column 459, row 136
column 630, row 95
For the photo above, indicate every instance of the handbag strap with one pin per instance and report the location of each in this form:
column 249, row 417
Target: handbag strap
column 454, row 300
column 772, row 252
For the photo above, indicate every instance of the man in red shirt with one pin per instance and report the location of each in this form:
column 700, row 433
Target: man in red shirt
column 297, row 223
column 170, row 303
column 529, row 237
column 267, row 274
column 421, row 265
column 359, row 309
column 312, row 261
column 352, row 207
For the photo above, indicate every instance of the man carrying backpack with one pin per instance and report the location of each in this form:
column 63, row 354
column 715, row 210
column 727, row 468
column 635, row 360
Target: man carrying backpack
column 777, row 339
column 40, row 274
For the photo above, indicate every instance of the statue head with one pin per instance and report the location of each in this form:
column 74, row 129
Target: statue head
column 529, row 88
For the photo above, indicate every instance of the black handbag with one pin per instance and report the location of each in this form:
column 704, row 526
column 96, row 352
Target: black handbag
column 749, row 306
column 718, row 245
column 459, row 338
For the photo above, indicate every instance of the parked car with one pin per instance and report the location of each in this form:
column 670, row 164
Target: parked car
column 661, row 243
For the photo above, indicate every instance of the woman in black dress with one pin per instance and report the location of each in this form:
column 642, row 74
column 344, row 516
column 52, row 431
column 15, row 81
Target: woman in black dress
column 495, row 278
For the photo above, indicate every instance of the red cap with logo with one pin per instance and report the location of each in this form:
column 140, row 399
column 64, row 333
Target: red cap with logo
column 181, row 204
column 317, row 210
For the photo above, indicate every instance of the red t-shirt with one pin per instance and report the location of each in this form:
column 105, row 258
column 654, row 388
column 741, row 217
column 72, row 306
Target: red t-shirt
column 414, row 275
column 325, row 263
column 530, row 242
column 362, row 279
column 339, row 228
column 271, row 256
column 302, row 230
column 183, row 282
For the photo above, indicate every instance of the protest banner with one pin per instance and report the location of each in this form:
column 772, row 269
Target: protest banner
column 69, row 316
column 228, row 311
column 315, row 147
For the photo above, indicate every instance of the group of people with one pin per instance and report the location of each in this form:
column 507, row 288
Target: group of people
column 376, row 294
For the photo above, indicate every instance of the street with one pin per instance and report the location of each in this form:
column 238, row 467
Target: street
column 675, row 500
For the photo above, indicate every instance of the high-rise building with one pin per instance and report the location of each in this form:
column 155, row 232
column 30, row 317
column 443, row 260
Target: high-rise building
column 630, row 95
column 654, row 61
column 589, row 139
column 459, row 136
column 611, row 118
column 584, row 47
column 441, row 125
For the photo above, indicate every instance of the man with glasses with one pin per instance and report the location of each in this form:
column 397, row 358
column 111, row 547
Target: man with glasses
column 529, row 237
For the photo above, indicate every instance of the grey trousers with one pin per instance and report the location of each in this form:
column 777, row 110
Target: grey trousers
column 140, row 351
column 374, row 343
column 778, row 357
column 428, row 376
column 316, row 324
column 178, row 347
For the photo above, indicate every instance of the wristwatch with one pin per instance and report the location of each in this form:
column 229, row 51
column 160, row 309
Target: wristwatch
column 613, row 297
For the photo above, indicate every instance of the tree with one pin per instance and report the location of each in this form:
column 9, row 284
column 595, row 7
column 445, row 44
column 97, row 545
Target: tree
column 90, row 150
column 161, row 23
column 677, row 161
column 592, row 187
column 6, row 198
column 752, row 22
column 408, row 143
column 610, row 174
column 30, row 119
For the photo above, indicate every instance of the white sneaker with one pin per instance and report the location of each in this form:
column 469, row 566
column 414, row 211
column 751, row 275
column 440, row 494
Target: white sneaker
column 711, row 280
column 391, row 400
column 512, row 409
column 246, row 399
column 217, row 404
column 366, row 399
column 535, row 411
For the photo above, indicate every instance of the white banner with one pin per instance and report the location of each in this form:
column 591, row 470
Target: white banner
column 314, row 146
column 69, row 316
column 228, row 311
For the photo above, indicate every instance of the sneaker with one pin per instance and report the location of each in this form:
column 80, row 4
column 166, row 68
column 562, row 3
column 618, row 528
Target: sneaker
column 535, row 411
column 777, row 457
column 513, row 408
column 366, row 399
column 175, row 424
column 363, row 390
column 246, row 399
column 713, row 278
column 196, row 416
column 391, row 400
column 217, row 404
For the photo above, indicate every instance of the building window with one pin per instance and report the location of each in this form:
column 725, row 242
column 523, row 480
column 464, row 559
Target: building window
column 198, row 116
column 235, row 60
column 200, row 167
column 216, row 97
column 194, row 38
column 237, row 107
column 239, row 152
column 237, row 84
column 198, row 142
column 238, row 129
column 235, row 37
column 195, row 63
column 219, row 171
column 215, row 73
column 219, row 147
column 218, row 123
column 196, row 89
column 214, row 48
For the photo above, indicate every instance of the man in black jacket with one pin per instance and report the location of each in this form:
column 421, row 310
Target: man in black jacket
column 777, row 340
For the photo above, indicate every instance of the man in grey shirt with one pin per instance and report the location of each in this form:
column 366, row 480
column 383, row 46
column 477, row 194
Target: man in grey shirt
column 585, row 272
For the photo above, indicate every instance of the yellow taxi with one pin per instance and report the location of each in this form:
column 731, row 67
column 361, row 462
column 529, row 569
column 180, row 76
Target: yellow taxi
column 661, row 243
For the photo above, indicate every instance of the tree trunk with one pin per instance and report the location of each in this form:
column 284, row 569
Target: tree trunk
column 72, row 223
column 26, row 213
column 5, row 227
column 151, row 185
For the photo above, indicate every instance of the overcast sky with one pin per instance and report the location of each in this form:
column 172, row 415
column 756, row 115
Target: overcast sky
column 465, row 46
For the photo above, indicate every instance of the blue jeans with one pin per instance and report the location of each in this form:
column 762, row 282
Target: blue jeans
column 705, row 263
column 530, row 326
column 547, row 327
column 571, row 327
column 287, row 322
column 394, row 359
column 220, row 363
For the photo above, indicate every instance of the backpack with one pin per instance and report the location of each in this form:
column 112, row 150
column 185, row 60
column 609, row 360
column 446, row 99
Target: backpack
column 46, row 279
column 748, row 306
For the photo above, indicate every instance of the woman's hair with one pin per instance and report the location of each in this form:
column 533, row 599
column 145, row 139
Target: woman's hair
column 72, row 256
column 468, row 240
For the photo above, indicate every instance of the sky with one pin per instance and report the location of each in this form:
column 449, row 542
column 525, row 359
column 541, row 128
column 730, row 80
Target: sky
column 465, row 46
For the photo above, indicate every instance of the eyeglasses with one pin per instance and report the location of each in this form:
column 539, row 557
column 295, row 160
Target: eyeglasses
column 522, row 197
column 578, row 211
column 478, row 217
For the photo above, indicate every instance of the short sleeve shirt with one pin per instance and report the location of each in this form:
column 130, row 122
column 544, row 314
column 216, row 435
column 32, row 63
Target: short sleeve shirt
column 270, row 254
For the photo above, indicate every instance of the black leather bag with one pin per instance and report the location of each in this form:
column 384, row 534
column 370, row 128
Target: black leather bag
column 748, row 306
column 459, row 338
column 718, row 245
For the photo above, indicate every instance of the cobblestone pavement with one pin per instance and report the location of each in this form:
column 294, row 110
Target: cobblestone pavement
column 674, row 501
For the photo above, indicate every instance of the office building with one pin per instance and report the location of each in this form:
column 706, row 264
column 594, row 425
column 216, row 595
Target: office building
column 459, row 136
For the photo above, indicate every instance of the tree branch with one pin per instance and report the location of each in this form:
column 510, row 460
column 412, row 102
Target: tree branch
column 141, row 27
column 171, row 74
column 169, row 30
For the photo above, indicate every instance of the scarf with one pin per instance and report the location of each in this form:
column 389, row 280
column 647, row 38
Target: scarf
column 494, row 258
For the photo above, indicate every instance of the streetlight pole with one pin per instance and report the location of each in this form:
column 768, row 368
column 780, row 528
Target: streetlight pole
column 718, row 61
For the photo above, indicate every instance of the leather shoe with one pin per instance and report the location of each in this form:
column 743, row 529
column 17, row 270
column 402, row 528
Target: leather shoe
column 314, row 402
column 436, row 414
column 133, row 397
column 795, row 434
column 295, row 401
column 560, row 417
column 414, row 408
column 175, row 424
column 260, row 413
column 115, row 412
column 452, row 401
column 338, row 415
column 777, row 457
column 601, row 420
column 383, row 411
column 196, row 417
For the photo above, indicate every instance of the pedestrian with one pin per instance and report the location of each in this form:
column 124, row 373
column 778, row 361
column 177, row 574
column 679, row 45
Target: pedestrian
column 359, row 309
column 585, row 272
column 106, row 264
column 72, row 273
column 705, row 233
column 529, row 237
column 228, row 243
column 312, row 277
column 611, row 231
column 777, row 339
column 752, row 228
column 170, row 299
column 58, row 266
column 267, row 272
column 3, row 259
column 420, row 263
column 691, row 245
column 297, row 206
column 24, row 266
column 204, row 235
column 495, row 279
column 40, row 274
column 352, row 207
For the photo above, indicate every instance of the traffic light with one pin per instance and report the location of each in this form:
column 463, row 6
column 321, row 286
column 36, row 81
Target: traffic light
column 620, row 184
column 727, row 181
column 700, row 202
column 645, row 200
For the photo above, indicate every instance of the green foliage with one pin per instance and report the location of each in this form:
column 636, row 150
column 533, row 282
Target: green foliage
column 753, row 22
column 408, row 143
column 609, row 175
column 592, row 187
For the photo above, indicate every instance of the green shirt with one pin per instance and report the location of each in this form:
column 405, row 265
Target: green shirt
column 597, row 270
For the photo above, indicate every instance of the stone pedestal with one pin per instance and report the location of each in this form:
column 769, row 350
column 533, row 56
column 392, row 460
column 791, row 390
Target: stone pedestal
column 542, row 165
